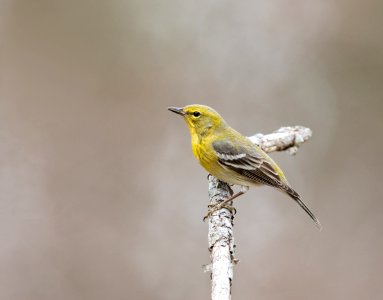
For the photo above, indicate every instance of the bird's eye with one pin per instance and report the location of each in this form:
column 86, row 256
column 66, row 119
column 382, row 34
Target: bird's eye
column 196, row 114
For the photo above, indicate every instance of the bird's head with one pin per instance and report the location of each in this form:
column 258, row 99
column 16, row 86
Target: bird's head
column 200, row 118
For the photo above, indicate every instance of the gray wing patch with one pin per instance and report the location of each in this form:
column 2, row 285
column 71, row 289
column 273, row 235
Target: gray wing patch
column 249, row 164
column 236, row 156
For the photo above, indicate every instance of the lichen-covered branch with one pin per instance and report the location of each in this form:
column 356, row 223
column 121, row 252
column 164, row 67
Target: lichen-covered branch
column 285, row 138
column 221, row 239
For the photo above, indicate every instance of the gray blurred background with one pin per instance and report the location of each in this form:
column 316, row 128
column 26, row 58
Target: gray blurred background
column 101, row 197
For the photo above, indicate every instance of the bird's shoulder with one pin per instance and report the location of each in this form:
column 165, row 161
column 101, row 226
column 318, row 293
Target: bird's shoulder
column 235, row 147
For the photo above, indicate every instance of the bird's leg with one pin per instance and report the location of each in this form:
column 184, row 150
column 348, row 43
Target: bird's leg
column 224, row 204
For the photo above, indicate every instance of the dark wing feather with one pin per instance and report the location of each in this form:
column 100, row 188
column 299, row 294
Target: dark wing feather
column 246, row 162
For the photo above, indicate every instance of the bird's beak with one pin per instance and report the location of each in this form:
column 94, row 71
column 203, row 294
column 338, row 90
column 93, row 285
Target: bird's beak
column 177, row 110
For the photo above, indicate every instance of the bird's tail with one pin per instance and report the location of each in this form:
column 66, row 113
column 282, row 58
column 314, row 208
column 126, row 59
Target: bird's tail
column 293, row 194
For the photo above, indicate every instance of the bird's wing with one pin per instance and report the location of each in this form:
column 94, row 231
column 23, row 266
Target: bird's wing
column 247, row 162
column 254, row 166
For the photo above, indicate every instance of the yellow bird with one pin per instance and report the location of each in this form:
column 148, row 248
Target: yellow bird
column 232, row 157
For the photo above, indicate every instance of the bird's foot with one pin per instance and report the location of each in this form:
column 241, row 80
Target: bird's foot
column 215, row 207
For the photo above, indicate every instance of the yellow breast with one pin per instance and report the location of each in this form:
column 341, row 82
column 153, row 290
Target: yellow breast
column 204, row 152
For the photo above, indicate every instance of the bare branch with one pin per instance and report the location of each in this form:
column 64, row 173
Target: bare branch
column 285, row 138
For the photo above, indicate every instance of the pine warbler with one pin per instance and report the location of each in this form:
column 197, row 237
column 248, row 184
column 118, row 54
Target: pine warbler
column 232, row 157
